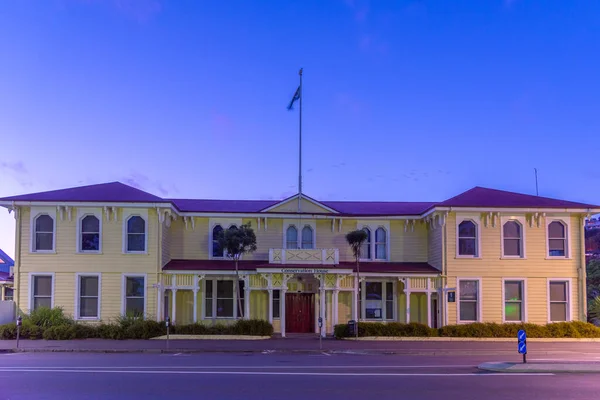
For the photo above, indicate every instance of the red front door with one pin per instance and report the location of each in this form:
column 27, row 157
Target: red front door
column 299, row 313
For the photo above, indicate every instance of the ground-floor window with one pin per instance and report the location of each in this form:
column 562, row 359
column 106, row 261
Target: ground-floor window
column 41, row 291
column 559, row 300
column 378, row 300
column 134, row 302
column 468, row 297
column 8, row 294
column 88, row 296
column 276, row 304
column 221, row 298
column 514, row 310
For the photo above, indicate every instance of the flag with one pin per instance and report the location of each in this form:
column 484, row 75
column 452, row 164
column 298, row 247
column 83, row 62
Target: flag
column 296, row 97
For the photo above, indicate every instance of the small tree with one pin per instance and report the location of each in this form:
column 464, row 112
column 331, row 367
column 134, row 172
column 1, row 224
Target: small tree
column 356, row 239
column 236, row 242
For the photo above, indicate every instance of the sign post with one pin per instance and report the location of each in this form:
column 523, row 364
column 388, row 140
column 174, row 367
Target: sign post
column 320, row 333
column 167, row 323
column 19, row 323
column 522, row 346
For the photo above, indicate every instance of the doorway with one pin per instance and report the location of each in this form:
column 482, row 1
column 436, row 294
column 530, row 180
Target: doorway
column 300, row 312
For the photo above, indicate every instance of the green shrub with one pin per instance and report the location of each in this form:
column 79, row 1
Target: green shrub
column 253, row 327
column 594, row 309
column 388, row 329
column 110, row 331
column 256, row 327
column 191, row 329
column 70, row 332
column 45, row 317
column 145, row 329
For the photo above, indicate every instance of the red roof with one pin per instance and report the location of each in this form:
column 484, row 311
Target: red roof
column 227, row 265
column 476, row 197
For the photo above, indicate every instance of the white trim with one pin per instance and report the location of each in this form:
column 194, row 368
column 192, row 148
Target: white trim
column 35, row 212
column 82, row 213
column 299, row 224
column 373, row 226
column 124, row 289
column 476, row 219
column 566, row 220
column 363, row 294
column 127, row 214
column 524, row 317
column 569, row 297
column 225, row 223
column 78, row 277
column 295, row 198
column 34, row 274
column 215, row 281
column 479, row 300
column 521, row 220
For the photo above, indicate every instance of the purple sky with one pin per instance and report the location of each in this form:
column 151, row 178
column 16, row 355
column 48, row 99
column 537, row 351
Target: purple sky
column 404, row 100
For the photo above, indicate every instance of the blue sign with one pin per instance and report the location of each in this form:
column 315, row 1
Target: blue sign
column 451, row 297
column 521, row 336
column 522, row 348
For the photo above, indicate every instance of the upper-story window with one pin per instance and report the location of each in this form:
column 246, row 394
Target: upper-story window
column 217, row 249
column 467, row 239
column 291, row 237
column 512, row 238
column 380, row 244
column 365, row 250
column 90, row 234
column 44, row 233
column 376, row 246
column 136, row 234
column 557, row 239
column 307, row 238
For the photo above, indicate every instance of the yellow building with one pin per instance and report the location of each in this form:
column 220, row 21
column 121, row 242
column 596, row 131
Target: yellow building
column 485, row 255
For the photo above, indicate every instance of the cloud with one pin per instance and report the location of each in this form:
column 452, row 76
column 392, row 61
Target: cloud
column 367, row 40
column 18, row 171
column 143, row 182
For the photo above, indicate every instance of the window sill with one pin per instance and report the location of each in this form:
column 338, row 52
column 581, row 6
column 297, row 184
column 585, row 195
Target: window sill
column 467, row 322
column 43, row 252
column 136, row 252
column 87, row 319
column 222, row 318
column 468, row 257
column 558, row 258
column 373, row 260
column 88, row 252
column 512, row 258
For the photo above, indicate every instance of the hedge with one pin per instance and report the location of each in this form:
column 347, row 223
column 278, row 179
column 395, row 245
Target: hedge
column 477, row 330
column 52, row 324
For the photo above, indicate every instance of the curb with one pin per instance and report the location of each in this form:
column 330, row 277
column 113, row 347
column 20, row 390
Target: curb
column 210, row 337
column 549, row 368
column 467, row 339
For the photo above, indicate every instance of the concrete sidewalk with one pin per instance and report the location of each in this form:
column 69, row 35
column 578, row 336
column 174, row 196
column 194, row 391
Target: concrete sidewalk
column 543, row 367
column 300, row 345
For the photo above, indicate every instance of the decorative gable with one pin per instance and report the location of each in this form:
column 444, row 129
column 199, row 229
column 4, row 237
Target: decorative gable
column 307, row 205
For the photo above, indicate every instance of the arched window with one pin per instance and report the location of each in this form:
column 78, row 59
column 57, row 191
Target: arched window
column 307, row 237
column 513, row 239
column 557, row 239
column 380, row 244
column 136, row 234
column 291, row 237
column 90, row 233
column 44, row 233
column 365, row 250
column 217, row 249
column 467, row 239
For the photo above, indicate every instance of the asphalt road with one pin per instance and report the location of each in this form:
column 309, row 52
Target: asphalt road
column 275, row 376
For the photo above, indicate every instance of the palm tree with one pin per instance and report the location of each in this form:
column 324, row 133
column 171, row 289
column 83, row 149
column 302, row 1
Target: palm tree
column 356, row 239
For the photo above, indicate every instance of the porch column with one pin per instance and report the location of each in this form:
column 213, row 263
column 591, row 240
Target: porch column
column 429, row 302
column 174, row 305
column 3, row 293
column 158, row 301
column 322, row 301
column 282, row 310
column 334, row 297
column 407, row 305
column 195, row 319
column 270, row 307
column 247, row 298
column 355, row 300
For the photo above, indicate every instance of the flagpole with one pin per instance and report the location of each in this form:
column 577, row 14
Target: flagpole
column 300, row 148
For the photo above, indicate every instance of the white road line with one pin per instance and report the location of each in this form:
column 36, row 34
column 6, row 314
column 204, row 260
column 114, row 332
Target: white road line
column 252, row 367
column 326, row 354
column 119, row 371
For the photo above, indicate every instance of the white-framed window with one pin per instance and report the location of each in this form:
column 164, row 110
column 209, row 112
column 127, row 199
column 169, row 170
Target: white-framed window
column 134, row 295
column 44, row 227
column 378, row 300
column 9, row 294
column 307, row 237
column 276, row 303
column 87, row 302
column 376, row 247
column 291, row 237
column 216, row 227
column 41, row 290
column 89, row 233
column 513, row 238
column 135, row 231
column 221, row 298
column 515, row 300
column 467, row 234
column 558, row 233
column 559, row 300
column 469, row 300
column 299, row 234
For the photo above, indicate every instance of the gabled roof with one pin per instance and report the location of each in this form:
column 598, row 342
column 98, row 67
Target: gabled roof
column 478, row 197
column 103, row 192
column 321, row 206
column 493, row 198
column 5, row 262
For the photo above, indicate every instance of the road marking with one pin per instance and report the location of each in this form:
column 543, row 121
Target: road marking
column 355, row 374
column 257, row 367
column 326, row 354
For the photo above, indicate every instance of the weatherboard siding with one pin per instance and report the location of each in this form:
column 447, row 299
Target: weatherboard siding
column 535, row 269
column 434, row 247
column 409, row 246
